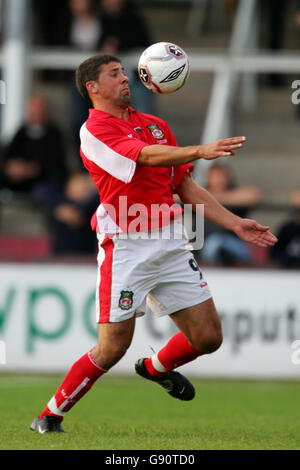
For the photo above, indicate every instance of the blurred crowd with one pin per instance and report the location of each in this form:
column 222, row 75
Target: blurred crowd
column 34, row 169
column 34, row 164
column 224, row 248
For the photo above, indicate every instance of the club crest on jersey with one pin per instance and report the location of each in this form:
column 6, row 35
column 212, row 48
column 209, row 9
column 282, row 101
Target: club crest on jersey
column 126, row 299
column 156, row 131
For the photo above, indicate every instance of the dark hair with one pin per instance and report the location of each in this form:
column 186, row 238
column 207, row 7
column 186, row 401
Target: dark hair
column 90, row 69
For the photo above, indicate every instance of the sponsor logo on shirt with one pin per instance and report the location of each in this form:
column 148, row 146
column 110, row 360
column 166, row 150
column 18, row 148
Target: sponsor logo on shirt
column 137, row 129
column 156, row 131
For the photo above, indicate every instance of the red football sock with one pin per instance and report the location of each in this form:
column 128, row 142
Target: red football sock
column 77, row 382
column 177, row 352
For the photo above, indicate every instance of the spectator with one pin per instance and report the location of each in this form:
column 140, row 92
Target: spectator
column 295, row 198
column 221, row 246
column 34, row 161
column 70, row 218
column 81, row 29
column 72, row 23
column 287, row 252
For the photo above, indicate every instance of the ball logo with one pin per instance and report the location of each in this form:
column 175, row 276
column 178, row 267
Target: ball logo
column 174, row 50
column 144, row 75
column 173, row 75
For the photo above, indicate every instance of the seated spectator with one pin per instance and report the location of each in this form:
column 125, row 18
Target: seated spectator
column 286, row 252
column 295, row 198
column 79, row 27
column 70, row 228
column 34, row 161
column 222, row 246
column 73, row 23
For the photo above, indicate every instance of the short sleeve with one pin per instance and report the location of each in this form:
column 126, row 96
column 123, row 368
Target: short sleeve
column 177, row 174
column 111, row 150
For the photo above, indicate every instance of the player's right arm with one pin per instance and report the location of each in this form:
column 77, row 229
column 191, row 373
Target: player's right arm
column 167, row 155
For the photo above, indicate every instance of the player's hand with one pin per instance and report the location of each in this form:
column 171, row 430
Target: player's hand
column 221, row 148
column 252, row 232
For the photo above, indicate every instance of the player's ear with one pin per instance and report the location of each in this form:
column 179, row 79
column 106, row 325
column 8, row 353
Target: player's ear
column 91, row 87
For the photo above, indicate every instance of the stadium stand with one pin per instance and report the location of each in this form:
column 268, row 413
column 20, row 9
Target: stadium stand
column 271, row 126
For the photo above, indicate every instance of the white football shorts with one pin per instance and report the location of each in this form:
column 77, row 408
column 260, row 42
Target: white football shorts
column 158, row 270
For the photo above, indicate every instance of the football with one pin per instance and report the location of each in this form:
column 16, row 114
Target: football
column 163, row 67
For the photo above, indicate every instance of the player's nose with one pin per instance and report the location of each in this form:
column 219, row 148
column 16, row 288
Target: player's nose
column 124, row 78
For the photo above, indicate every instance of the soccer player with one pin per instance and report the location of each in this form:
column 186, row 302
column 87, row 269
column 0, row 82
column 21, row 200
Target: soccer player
column 136, row 164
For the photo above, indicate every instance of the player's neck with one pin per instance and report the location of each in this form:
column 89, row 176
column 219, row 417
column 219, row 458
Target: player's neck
column 121, row 112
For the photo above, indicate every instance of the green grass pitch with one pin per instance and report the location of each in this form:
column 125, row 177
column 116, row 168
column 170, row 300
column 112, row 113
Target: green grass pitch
column 130, row 413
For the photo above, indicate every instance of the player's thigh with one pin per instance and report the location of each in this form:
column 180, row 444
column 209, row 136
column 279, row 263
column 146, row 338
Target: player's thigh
column 200, row 324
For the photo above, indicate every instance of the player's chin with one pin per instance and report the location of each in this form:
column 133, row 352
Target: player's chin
column 125, row 98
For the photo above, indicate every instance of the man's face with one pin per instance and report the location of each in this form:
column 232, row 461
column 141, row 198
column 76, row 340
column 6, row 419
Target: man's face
column 112, row 84
column 36, row 110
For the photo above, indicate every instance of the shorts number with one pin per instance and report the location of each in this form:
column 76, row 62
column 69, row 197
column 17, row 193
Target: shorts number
column 195, row 267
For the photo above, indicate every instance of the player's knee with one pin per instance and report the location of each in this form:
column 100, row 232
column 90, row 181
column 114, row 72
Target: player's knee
column 213, row 341
column 208, row 342
column 108, row 356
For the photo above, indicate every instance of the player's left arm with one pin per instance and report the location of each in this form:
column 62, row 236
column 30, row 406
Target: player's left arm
column 247, row 229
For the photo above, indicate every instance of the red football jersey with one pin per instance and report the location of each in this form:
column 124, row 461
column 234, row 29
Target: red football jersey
column 132, row 197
